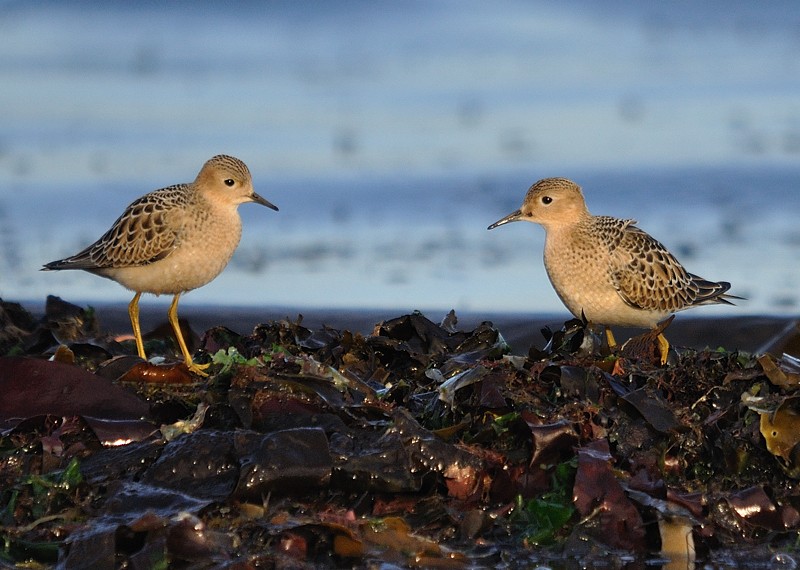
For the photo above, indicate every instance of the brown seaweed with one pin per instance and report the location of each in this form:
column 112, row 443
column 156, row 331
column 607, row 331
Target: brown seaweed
column 419, row 445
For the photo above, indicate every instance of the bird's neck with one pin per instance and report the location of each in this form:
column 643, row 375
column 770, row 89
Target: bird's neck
column 556, row 230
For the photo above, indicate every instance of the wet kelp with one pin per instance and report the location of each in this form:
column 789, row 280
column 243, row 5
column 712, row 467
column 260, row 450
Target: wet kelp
column 419, row 445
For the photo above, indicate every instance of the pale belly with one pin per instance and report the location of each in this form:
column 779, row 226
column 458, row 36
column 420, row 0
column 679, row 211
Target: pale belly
column 192, row 264
column 584, row 286
column 177, row 273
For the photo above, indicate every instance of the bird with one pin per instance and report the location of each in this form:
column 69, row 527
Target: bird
column 173, row 240
column 606, row 270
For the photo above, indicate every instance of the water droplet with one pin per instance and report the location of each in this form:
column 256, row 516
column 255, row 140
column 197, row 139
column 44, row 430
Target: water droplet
column 783, row 560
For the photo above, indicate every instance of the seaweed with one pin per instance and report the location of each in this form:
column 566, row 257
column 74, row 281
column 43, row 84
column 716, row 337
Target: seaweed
column 416, row 445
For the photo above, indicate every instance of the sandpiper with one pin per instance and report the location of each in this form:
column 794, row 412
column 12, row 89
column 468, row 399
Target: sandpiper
column 606, row 269
column 173, row 240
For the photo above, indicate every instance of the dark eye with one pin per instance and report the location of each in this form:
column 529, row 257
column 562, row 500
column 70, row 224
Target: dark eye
column 229, row 182
column 546, row 200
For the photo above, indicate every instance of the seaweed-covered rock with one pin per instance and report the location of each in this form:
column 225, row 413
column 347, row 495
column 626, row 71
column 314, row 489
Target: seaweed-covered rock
column 417, row 445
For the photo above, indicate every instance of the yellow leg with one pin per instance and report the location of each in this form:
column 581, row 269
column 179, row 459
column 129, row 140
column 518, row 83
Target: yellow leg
column 612, row 342
column 663, row 348
column 173, row 320
column 133, row 313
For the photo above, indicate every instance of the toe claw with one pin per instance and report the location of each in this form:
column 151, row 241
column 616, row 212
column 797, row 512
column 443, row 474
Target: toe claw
column 198, row 369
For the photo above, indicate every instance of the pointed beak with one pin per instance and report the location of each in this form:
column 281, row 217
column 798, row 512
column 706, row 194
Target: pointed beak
column 512, row 217
column 264, row 202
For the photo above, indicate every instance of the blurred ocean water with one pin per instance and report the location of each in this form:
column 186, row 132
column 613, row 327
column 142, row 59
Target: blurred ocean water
column 391, row 134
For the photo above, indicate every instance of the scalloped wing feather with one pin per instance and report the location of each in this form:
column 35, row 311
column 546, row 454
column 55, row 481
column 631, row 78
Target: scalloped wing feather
column 140, row 236
column 649, row 277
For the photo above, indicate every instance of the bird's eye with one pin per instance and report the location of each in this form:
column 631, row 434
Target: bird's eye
column 546, row 200
column 229, row 182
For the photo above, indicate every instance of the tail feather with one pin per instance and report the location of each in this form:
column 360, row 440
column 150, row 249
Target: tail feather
column 712, row 293
column 74, row 262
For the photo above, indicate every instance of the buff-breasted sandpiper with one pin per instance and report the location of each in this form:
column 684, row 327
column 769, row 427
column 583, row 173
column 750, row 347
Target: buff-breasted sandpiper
column 173, row 240
column 607, row 270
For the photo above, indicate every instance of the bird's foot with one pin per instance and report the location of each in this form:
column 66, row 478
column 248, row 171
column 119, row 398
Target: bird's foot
column 651, row 346
column 663, row 348
column 612, row 342
column 198, row 369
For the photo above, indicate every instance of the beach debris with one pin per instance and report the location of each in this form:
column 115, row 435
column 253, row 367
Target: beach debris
column 16, row 326
column 418, row 444
column 781, row 431
column 784, row 372
column 33, row 387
